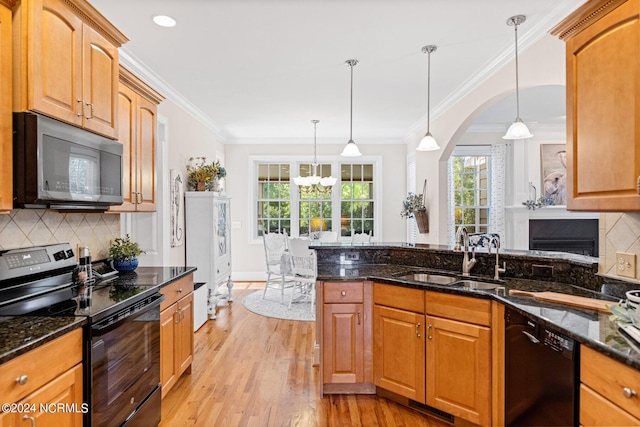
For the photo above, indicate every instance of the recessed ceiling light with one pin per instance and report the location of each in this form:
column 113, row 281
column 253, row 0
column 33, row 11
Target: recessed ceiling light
column 164, row 21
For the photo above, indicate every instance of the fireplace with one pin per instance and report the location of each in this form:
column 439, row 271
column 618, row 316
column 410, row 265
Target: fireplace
column 578, row 236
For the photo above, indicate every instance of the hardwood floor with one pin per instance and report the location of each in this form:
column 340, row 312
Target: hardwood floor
column 251, row 370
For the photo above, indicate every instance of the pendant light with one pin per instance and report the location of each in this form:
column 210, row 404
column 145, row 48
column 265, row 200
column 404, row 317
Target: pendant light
column 517, row 130
column 351, row 149
column 314, row 182
column 428, row 142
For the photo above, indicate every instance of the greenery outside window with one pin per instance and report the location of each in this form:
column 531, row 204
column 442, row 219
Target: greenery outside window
column 470, row 190
column 357, row 199
column 274, row 197
column 315, row 207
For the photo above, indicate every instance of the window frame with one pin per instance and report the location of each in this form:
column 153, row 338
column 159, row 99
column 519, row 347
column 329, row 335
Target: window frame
column 294, row 163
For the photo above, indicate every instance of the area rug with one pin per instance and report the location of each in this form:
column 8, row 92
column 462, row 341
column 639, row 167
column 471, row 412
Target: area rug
column 271, row 307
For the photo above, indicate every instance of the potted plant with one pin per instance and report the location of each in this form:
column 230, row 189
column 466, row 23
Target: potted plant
column 125, row 253
column 413, row 207
column 203, row 175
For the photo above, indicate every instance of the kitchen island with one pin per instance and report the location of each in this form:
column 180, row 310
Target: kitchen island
column 371, row 290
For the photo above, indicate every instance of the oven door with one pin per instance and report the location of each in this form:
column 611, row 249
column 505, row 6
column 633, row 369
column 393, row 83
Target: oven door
column 125, row 363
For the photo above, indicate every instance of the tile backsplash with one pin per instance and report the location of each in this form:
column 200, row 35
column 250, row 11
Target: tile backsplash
column 33, row 227
column 618, row 233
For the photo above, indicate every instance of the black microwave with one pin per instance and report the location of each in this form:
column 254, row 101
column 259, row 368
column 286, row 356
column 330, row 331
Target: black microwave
column 60, row 166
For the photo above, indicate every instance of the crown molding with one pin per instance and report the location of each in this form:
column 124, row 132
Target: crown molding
column 137, row 67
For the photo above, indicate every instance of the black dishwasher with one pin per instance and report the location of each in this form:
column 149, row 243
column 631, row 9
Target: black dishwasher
column 540, row 374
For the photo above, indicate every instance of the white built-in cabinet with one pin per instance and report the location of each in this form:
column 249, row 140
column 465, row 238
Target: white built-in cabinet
column 208, row 239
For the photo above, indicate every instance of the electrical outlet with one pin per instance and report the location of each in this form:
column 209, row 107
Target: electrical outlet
column 626, row 264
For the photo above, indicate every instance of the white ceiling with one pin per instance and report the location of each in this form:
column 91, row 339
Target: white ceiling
column 263, row 69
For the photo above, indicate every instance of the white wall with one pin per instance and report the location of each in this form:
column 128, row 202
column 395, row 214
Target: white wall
column 248, row 257
column 188, row 137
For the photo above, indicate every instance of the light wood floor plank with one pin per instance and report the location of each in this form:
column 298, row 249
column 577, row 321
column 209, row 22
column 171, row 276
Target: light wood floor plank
column 251, row 370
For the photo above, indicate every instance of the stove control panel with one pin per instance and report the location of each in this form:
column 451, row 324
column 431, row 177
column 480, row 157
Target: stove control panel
column 23, row 262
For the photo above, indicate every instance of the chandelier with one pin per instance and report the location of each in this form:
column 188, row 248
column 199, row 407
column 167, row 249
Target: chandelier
column 314, row 182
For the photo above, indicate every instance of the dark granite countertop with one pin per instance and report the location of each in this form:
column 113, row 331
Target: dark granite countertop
column 590, row 328
column 20, row 334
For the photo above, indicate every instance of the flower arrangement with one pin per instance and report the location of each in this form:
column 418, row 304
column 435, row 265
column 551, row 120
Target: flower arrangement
column 411, row 205
column 201, row 171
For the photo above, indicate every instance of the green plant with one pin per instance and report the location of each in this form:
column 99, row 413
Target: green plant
column 124, row 248
column 411, row 205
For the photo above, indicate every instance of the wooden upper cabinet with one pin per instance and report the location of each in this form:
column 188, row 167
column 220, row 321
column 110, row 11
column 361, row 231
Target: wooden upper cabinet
column 67, row 63
column 137, row 105
column 6, row 140
column 603, row 118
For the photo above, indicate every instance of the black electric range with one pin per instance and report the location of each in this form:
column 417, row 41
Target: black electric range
column 121, row 380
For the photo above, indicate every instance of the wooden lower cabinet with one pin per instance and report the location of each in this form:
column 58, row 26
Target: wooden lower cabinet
column 346, row 338
column 176, row 332
column 399, row 352
column 608, row 391
column 459, row 369
column 53, row 375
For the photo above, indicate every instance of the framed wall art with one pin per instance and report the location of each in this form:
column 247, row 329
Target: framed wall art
column 553, row 165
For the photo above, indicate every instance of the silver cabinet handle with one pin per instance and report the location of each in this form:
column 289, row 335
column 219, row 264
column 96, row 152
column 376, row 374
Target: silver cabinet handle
column 629, row 392
column 22, row 380
column 33, row 420
column 639, row 185
column 81, row 113
column 88, row 104
column 418, row 330
column 429, row 332
column 180, row 290
column 343, row 293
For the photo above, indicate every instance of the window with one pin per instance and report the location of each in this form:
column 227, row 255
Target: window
column 280, row 205
column 356, row 205
column 274, row 198
column 470, row 189
column 315, row 207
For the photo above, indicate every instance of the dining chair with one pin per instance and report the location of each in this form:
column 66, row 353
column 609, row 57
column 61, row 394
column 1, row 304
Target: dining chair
column 328, row 236
column 278, row 266
column 304, row 269
column 360, row 237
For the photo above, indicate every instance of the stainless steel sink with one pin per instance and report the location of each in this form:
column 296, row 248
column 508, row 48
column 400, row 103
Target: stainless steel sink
column 474, row 284
column 436, row 279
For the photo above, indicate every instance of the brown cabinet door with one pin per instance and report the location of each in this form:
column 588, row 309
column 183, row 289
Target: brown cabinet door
column 343, row 343
column 399, row 352
column 6, row 145
column 146, row 160
column 66, row 390
column 459, row 369
column 100, row 83
column 168, row 373
column 184, row 333
column 54, row 77
column 127, row 131
column 603, row 124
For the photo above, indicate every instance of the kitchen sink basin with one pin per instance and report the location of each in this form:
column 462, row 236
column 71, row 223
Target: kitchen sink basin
column 436, row 279
column 474, row 284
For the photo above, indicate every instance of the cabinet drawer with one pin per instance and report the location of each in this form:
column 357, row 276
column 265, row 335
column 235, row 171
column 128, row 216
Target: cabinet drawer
column 609, row 378
column 176, row 290
column 399, row 297
column 595, row 410
column 40, row 366
column 456, row 307
column 343, row 292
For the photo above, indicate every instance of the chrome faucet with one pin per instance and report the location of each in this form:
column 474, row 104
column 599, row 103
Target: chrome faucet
column 467, row 264
column 497, row 268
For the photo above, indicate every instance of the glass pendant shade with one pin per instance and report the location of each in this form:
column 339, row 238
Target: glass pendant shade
column 517, row 130
column 428, row 143
column 351, row 150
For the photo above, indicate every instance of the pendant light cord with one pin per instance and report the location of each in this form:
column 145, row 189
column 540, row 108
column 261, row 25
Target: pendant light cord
column 515, row 25
column 351, row 64
column 428, row 90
